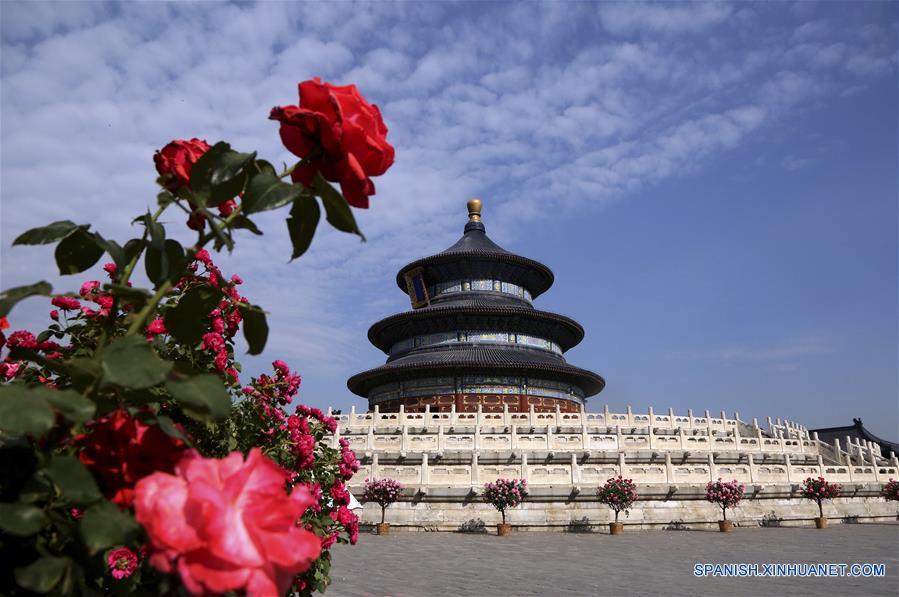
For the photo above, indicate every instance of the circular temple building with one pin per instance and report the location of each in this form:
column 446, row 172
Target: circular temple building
column 473, row 337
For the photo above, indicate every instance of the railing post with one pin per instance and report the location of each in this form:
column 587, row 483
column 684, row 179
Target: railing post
column 751, row 462
column 425, row 476
column 669, row 468
column 524, row 466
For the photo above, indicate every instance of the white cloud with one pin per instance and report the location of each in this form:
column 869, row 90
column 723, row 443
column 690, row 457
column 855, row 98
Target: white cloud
column 627, row 17
column 540, row 108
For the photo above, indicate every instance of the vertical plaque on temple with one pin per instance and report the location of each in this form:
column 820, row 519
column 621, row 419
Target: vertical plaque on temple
column 415, row 286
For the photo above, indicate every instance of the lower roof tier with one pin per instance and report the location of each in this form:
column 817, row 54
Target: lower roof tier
column 490, row 361
column 476, row 314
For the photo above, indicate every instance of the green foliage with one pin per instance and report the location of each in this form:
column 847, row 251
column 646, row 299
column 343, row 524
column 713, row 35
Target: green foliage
column 202, row 396
column 186, row 320
column 74, row 482
column 337, row 210
column 220, row 174
column 129, row 362
column 266, row 191
column 9, row 298
column 255, row 328
column 78, row 251
column 22, row 520
column 43, row 574
column 104, row 525
column 21, row 412
column 46, row 234
column 301, row 224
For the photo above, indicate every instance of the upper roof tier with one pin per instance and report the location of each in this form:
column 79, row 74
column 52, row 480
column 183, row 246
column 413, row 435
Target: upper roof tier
column 476, row 257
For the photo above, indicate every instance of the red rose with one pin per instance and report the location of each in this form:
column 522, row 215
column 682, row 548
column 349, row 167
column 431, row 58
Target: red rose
column 342, row 135
column 227, row 525
column 178, row 159
column 120, row 450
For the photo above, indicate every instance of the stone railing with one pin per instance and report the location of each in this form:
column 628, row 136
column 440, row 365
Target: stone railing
column 417, row 471
column 563, row 439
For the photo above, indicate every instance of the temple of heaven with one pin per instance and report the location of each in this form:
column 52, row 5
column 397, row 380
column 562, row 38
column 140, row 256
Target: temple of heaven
column 473, row 337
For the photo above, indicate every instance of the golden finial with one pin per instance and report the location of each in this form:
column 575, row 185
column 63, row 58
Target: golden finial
column 474, row 210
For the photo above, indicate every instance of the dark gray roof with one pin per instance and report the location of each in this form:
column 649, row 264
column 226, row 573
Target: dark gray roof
column 476, row 256
column 476, row 314
column 472, row 359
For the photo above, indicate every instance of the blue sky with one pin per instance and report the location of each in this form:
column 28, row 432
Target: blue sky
column 713, row 184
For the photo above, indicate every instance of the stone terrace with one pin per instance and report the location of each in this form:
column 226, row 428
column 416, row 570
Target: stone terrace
column 639, row 562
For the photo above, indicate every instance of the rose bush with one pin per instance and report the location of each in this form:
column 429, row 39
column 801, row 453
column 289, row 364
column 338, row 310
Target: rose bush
column 133, row 458
column 819, row 489
column 381, row 491
column 619, row 494
column 890, row 491
column 505, row 493
column 726, row 494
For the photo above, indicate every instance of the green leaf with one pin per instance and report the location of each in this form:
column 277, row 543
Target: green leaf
column 21, row 520
column 241, row 221
column 78, row 251
column 132, row 248
column 167, row 425
column 164, row 198
column 71, row 405
column 166, row 263
column 337, row 210
column 46, row 234
column 255, row 328
column 220, row 174
column 304, row 217
column 129, row 362
column 186, row 321
column 266, row 191
column 104, row 525
column 202, row 396
column 42, row 575
column 9, row 298
column 135, row 296
column 24, row 411
column 265, row 167
column 116, row 252
column 74, row 481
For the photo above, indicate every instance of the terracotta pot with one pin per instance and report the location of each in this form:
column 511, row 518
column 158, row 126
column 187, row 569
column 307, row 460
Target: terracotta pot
column 383, row 528
column 503, row 529
column 616, row 528
column 725, row 526
column 821, row 522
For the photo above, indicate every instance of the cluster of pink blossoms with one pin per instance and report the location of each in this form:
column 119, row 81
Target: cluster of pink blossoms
column 383, row 491
column 505, row 493
column 890, row 491
column 820, row 489
column 726, row 494
column 122, row 562
column 618, row 493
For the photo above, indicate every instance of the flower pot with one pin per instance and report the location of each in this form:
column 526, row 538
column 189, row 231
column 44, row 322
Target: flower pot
column 821, row 522
column 503, row 529
column 616, row 528
column 725, row 526
column 383, row 528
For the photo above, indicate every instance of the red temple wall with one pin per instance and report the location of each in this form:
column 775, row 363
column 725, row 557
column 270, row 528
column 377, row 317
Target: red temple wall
column 489, row 403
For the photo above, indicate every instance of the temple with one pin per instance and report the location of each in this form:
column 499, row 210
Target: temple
column 473, row 337
column 476, row 388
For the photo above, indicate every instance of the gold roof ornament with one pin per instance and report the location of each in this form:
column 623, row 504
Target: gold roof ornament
column 474, row 210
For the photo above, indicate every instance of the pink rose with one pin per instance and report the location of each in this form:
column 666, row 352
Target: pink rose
column 122, row 563
column 227, row 525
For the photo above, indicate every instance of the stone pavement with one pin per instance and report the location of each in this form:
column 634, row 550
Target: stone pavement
column 638, row 562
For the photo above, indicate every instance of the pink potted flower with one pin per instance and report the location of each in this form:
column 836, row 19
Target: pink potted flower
column 619, row 494
column 818, row 489
column 503, row 494
column 726, row 494
column 384, row 492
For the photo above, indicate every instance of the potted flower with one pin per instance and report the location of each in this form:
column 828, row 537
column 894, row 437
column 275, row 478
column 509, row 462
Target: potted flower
column 727, row 494
column 384, row 492
column 619, row 494
column 502, row 494
column 818, row 489
column 890, row 491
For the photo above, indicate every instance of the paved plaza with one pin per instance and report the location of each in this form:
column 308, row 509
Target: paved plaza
column 639, row 562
